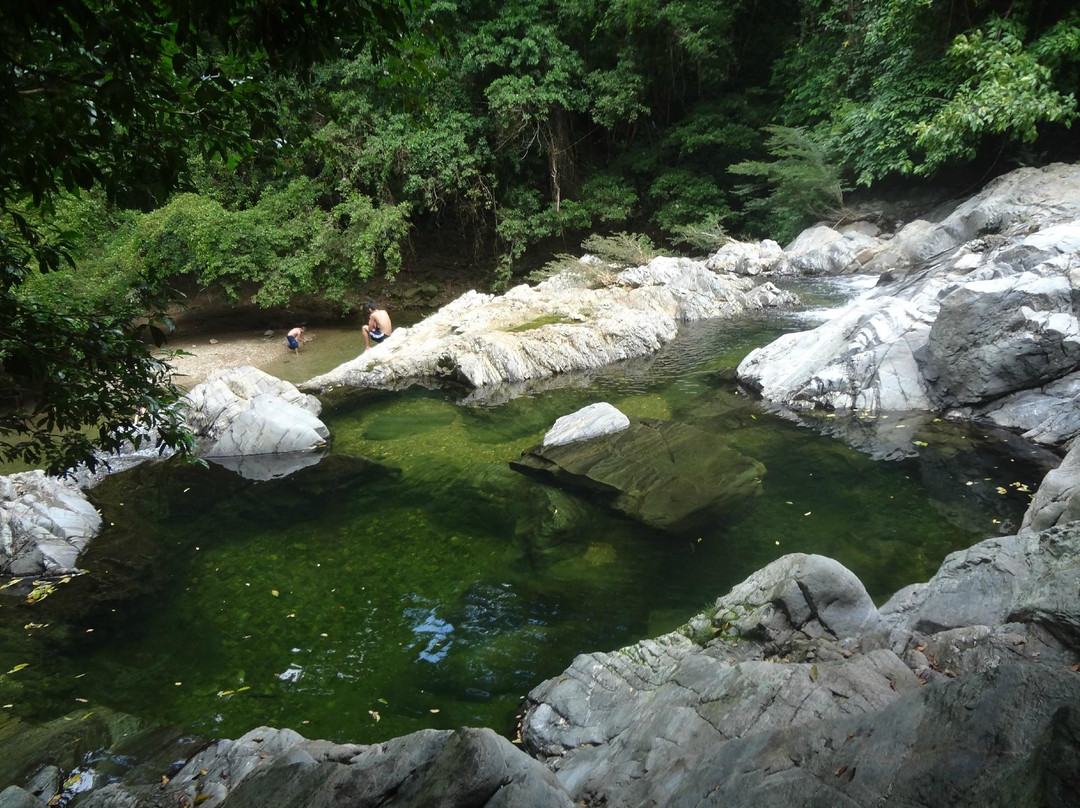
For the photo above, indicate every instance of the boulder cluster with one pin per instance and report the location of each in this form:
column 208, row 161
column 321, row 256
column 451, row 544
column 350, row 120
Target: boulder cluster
column 794, row 688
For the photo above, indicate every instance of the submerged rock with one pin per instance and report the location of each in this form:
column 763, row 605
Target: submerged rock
column 669, row 476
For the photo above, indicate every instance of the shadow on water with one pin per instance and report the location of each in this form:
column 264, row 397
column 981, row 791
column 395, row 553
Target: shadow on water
column 414, row 580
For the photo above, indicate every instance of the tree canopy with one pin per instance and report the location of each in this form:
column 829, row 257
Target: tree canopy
column 277, row 150
column 118, row 96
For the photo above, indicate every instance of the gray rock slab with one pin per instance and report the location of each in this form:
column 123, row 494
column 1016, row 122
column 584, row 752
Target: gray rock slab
column 667, row 475
column 466, row 768
column 1057, row 502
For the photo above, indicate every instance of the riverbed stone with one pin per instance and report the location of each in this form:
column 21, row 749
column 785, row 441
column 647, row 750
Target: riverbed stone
column 562, row 325
column 668, row 475
column 45, row 523
column 466, row 768
column 592, row 421
column 244, row 411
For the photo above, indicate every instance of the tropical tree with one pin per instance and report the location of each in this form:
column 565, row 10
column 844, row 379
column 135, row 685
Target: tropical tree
column 113, row 95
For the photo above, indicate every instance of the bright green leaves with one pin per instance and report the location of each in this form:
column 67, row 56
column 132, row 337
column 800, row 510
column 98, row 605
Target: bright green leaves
column 901, row 87
column 1005, row 90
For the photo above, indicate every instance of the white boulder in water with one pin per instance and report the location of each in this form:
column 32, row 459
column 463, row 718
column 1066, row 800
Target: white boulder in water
column 45, row 523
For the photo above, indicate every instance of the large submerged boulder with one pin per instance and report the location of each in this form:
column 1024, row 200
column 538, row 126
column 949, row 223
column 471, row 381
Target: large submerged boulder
column 974, row 315
column 670, row 476
column 558, row 326
column 45, row 523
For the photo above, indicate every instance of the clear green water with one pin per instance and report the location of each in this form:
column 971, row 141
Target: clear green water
column 438, row 591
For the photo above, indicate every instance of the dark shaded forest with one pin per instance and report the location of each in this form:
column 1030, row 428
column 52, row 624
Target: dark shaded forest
column 287, row 151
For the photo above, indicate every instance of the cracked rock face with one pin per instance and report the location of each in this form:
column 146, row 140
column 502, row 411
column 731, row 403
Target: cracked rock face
column 45, row 523
column 794, row 689
column 975, row 312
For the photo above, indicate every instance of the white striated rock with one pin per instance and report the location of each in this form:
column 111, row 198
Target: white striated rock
column 45, row 523
column 558, row 326
column 244, row 411
column 588, row 422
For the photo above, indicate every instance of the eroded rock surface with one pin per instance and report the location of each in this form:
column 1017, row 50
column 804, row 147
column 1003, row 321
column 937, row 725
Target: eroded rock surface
column 558, row 326
column 974, row 315
column 45, row 523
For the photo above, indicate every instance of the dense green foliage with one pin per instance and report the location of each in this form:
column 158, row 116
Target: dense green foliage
column 118, row 96
column 215, row 161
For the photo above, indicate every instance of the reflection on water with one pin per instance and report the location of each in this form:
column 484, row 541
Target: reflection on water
column 413, row 580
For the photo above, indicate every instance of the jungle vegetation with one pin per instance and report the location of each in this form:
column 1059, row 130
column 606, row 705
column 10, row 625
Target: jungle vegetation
column 297, row 149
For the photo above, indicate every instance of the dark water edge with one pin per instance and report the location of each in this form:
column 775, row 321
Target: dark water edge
column 413, row 580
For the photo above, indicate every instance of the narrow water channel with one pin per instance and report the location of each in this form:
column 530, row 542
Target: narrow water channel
column 435, row 587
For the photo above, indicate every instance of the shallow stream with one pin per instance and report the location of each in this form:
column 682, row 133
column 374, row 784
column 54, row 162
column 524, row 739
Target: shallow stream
column 435, row 587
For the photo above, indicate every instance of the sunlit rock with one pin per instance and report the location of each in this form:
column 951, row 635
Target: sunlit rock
column 45, row 523
column 571, row 322
column 592, row 421
column 244, row 411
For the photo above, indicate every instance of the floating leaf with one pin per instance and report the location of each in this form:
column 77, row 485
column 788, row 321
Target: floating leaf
column 375, row 715
column 920, row 443
column 19, row 667
column 274, row 592
column 40, row 593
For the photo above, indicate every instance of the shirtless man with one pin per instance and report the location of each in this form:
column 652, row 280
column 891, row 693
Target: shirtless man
column 295, row 337
column 378, row 325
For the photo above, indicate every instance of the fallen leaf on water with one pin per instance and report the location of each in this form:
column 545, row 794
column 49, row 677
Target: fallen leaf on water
column 807, row 513
column 1001, row 490
column 40, row 593
column 433, row 710
column 375, row 715
column 274, row 592
column 920, row 443
column 19, row 667
column 83, row 701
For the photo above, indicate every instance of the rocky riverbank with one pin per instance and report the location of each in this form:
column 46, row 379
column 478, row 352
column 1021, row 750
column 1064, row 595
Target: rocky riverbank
column 794, row 688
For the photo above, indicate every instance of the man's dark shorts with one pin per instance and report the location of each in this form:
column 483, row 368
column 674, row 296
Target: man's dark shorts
column 377, row 335
column 292, row 342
